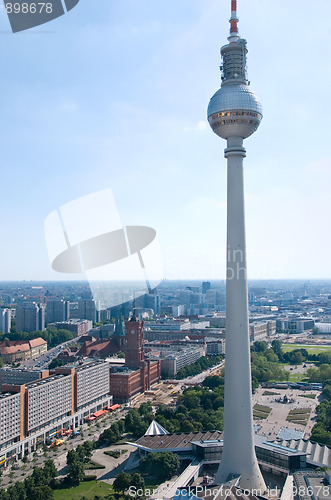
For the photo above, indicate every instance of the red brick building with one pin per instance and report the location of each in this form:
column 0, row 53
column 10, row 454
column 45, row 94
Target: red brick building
column 140, row 374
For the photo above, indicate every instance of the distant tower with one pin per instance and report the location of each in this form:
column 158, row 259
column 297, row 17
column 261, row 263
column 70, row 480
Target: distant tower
column 134, row 353
column 234, row 113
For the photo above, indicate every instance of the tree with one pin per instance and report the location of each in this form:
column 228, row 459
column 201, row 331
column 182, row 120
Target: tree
column 213, row 381
column 39, row 477
column 17, row 491
column 4, row 495
column 72, row 457
column 320, row 374
column 76, row 472
column 134, row 423
column 260, row 346
column 88, row 447
column 137, row 481
column 324, row 357
column 187, row 426
column 50, row 471
column 122, row 481
column 163, row 465
column 42, row 493
column 146, row 409
column 277, row 348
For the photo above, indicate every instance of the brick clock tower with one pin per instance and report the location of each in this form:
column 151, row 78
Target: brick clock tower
column 143, row 373
column 134, row 353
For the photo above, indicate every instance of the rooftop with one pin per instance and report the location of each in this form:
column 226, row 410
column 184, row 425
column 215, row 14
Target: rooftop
column 176, row 441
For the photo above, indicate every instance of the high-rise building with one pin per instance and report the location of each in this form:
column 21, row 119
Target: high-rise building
column 205, row 286
column 57, row 310
column 30, row 317
column 234, row 113
column 42, row 317
column 5, row 320
column 88, row 309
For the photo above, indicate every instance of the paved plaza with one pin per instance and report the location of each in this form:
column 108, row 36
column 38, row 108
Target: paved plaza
column 276, row 419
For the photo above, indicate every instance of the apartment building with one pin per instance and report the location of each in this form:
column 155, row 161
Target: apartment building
column 294, row 325
column 20, row 376
column 90, row 382
column 30, row 413
column 11, row 417
column 175, row 358
column 258, row 330
column 48, row 401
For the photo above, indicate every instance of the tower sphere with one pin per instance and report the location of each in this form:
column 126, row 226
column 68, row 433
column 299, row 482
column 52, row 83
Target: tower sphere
column 234, row 111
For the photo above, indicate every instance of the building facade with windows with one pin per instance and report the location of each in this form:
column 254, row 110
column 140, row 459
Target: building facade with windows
column 31, row 413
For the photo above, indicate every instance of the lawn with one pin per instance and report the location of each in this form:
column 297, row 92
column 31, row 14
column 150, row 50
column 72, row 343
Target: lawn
column 297, row 377
column 311, row 349
column 310, row 396
column 300, row 416
column 89, row 489
column 261, row 412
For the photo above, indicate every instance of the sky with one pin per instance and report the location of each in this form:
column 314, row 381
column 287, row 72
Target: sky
column 114, row 95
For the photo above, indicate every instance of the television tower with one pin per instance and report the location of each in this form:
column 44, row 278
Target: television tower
column 234, row 113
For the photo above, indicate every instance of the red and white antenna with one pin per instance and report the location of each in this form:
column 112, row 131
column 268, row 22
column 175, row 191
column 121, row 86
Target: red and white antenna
column 234, row 33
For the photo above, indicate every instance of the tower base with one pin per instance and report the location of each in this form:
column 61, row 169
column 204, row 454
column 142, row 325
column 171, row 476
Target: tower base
column 250, row 476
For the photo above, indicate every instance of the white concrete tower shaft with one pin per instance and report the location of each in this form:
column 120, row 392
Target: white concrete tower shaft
column 235, row 113
column 238, row 457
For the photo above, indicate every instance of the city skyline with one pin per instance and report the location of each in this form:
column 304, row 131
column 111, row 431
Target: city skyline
column 115, row 97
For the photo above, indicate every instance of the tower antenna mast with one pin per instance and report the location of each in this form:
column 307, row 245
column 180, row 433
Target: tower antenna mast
column 234, row 32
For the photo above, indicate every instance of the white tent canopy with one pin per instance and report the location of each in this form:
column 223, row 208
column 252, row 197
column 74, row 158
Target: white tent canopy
column 155, row 429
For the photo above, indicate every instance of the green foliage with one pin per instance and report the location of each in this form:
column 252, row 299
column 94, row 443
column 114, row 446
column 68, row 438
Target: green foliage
column 213, row 381
column 276, row 346
column 82, row 453
column 146, row 409
column 122, row 482
column 199, row 408
column 112, row 453
column 162, row 465
column 42, row 493
column 137, row 481
column 37, row 486
column 322, row 429
column 113, row 434
column 324, row 357
column 199, row 366
column 135, row 423
column 295, row 357
column 76, row 471
column 265, row 369
column 52, row 335
column 90, row 477
column 93, row 465
column 320, row 374
column 260, row 346
column 56, row 362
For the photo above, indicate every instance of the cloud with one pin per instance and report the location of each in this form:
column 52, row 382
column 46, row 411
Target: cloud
column 321, row 165
column 198, row 127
